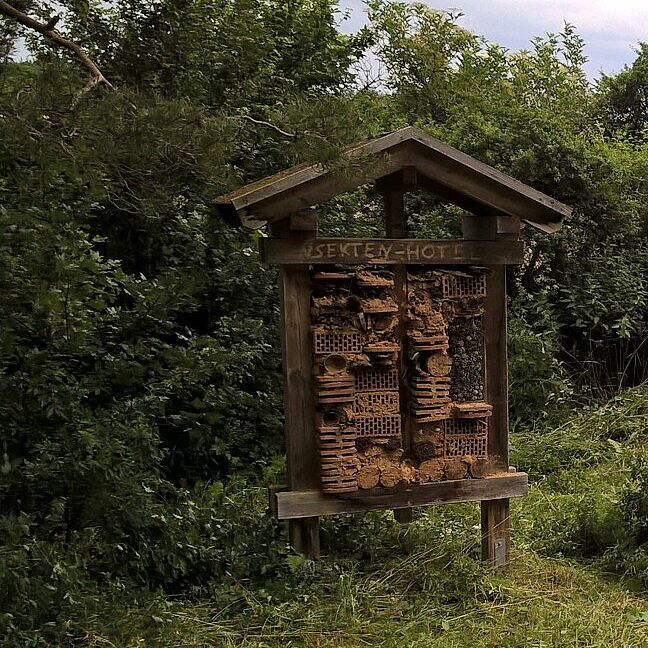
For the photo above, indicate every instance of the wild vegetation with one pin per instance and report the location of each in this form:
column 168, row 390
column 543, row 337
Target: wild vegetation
column 140, row 399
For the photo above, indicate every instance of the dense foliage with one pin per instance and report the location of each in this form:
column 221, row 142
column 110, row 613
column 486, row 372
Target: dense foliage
column 140, row 369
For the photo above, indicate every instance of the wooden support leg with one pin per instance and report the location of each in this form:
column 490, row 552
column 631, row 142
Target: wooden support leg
column 496, row 538
column 404, row 515
column 304, row 537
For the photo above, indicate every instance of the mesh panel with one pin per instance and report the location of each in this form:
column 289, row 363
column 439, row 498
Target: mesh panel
column 466, row 426
column 458, row 286
column 460, row 445
column 378, row 426
column 466, row 437
column 336, row 342
column 377, row 403
column 371, row 380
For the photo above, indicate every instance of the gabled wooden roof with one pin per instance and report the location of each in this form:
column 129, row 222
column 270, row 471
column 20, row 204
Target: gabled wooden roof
column 442, row 169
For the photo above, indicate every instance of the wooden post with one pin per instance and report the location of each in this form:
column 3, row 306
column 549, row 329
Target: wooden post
column 494, row 513
column 302, row 462
column 393, row 190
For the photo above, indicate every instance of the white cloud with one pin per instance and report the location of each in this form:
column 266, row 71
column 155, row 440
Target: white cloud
column 624, row 17
column 610, row 28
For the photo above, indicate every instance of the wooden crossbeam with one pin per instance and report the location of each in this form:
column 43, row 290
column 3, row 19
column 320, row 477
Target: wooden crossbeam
column 391, row 251
column 309, row 503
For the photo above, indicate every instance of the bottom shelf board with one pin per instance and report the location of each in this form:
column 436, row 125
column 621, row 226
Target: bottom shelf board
column 289, row 505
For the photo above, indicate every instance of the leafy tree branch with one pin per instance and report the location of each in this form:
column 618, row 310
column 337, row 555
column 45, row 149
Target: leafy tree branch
column 48, row 30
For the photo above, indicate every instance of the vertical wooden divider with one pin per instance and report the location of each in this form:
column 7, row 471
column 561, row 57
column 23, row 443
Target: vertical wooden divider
column 494, row 513
column 302, row 461
column 393, row 192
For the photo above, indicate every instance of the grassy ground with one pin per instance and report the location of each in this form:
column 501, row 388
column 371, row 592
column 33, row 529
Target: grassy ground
column 428, row 598
column 383, row 584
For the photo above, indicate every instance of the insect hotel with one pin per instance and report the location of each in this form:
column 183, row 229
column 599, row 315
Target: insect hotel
column 394, row 350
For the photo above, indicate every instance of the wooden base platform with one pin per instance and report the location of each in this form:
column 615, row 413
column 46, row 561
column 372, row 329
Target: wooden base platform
column 290, row 505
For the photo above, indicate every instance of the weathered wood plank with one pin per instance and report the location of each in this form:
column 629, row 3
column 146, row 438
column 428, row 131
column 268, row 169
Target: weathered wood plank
column 301, row 450
column 496, row 538
column 496, row 362
column 391, row 251
column 508, row 227
column 306, row 221
column 304, row 536
column 479, row 228
column 496, row 535
column 309, row 503
column 302, row 461
column 404, row 515
column 465, row 177
column 494, row 513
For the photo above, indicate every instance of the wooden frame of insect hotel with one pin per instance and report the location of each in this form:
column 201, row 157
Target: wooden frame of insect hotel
column 394, row 350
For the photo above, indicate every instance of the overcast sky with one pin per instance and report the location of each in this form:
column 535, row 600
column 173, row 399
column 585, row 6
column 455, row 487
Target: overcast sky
column 610, row 28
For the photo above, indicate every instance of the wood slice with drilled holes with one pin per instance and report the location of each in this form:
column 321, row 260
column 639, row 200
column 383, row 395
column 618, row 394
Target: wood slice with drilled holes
column 438, row 364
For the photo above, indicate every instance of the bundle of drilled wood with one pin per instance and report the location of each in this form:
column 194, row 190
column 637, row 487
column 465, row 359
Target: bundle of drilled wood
column 433, row 470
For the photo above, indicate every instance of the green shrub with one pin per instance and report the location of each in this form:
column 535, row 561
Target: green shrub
column 631, row 553
column 540, row 390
